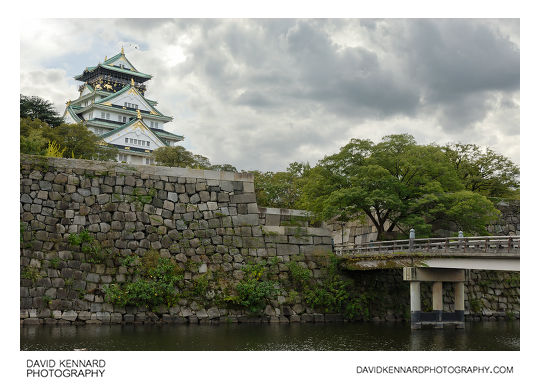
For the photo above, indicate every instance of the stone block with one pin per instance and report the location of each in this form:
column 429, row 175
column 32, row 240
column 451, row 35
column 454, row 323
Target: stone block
column 287, row 249
column 104, row 317
column 69, row 315
column 243, row 198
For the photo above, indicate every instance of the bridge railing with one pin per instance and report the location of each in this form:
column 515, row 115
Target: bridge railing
column 485, row 244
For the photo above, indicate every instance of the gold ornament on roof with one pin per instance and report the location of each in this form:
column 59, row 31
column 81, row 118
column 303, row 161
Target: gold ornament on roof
column 68, row 102
column 139, row 114
column 122, row 50
column 105, row 58
column 132, row 82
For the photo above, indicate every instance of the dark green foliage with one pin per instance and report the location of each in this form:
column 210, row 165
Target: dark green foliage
column 300, row 275
column 253, row 292
column 484, row 171
column 35, row 107
column 332, row 294
column 398, row 184
column 157, row 285
column 224, row 167
column 178, row 156
column 89, row 246
column 30, row 273
column 130, row 260
column 280, row 189
column 73, row 140
column 54, row 262
column 475, row 305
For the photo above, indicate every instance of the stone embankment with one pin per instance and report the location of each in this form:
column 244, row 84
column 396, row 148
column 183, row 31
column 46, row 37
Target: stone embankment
column 84, row 225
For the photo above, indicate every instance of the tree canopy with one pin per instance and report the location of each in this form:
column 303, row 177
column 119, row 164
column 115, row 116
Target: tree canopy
column 484, row 171
column 398, row 184
column 35, row 107
column 280, row 189
column 178, row 156
column 73, row 140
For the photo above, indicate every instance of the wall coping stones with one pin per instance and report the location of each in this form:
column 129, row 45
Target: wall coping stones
column 119, row 168
column 284, row 211
column 306, row 231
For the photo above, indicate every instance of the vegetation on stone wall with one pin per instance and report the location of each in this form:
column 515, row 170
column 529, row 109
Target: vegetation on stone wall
column 156, row 284
column 91, row 248
column 254, row 290
column 332, row 294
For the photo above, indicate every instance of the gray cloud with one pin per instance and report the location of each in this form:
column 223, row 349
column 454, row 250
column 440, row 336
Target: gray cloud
column 261, row 93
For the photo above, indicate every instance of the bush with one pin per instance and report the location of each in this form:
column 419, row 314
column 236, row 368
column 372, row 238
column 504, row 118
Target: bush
column 156, row 286
column 300, row 275
column 253, row 294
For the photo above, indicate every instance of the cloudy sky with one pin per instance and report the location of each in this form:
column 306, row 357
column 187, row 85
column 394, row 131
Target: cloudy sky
column 261, row 93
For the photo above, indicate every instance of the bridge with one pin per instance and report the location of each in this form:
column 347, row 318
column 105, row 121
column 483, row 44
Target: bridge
column 435, row 260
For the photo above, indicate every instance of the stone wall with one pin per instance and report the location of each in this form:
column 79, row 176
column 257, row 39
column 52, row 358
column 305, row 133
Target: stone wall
column 489, row 295
column 508, row 224
column 283, row 216
column 208, row 222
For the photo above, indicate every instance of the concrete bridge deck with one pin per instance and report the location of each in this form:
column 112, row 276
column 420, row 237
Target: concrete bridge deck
column 498, row 253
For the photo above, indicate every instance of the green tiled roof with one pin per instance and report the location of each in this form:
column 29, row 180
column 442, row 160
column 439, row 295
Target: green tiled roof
column 164, row 133
column 117, row 69
column 72, row 113
column 127, row 87
column 122, row 127
column 112, row 95
column 117, row 56
column 102, row 123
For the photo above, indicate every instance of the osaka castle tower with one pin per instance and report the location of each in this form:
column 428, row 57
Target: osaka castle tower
column 112, row 105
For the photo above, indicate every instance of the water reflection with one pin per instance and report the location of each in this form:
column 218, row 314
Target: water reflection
column 292, row 337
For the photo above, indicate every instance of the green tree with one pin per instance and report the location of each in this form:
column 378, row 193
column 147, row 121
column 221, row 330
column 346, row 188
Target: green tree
column 178, row 156
column 75, row 140
column 224, row 167
column 484, row 171
column 280, row 189
column 397, row 183
column 35, row 107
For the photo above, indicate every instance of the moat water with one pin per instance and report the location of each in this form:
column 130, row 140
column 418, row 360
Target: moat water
column 482, row 336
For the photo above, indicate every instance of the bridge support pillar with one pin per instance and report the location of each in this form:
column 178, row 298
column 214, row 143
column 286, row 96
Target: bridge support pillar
column 436, row 276
column 416, row 309
column 459, row 303
column 437, row 303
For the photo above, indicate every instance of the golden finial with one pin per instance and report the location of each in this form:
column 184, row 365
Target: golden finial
column 68, row 102
column 105, row 58
column 139, row 114
column 132, row 82
column 122, row 50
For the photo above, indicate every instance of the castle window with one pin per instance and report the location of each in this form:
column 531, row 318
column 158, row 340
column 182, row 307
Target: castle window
column 102, row 115
column 147, row 143
column 127, row 140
